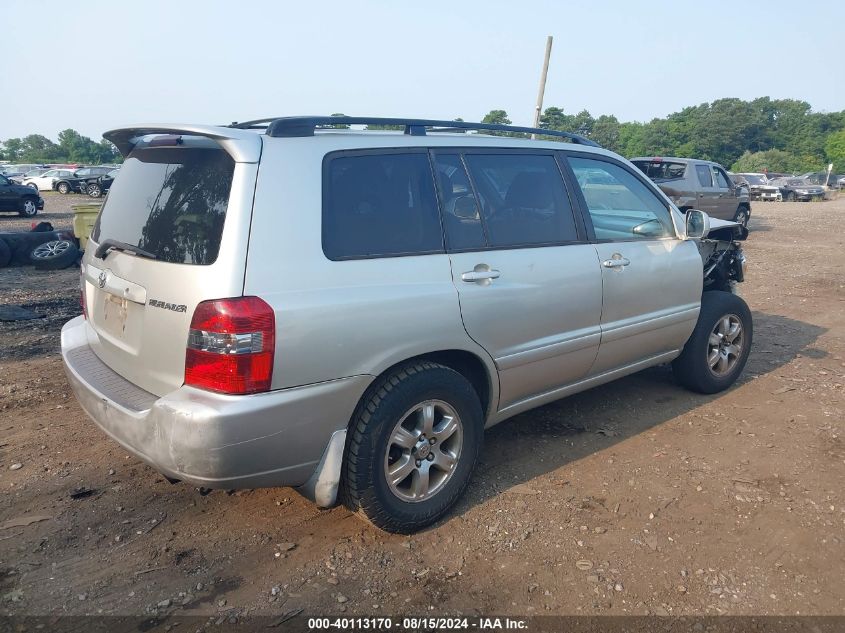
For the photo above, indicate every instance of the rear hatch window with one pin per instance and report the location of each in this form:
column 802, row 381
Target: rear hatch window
column 661, row 171
column 171, row 202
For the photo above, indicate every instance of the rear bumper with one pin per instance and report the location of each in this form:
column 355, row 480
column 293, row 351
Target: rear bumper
column 212, row 440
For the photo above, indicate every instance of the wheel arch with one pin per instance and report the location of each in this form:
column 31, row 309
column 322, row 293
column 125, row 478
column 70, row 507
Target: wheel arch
column 322, row 487
column 480, row 371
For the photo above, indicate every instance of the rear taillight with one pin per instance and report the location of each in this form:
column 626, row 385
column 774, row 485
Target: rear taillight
column 231, row 346
column 82, row 293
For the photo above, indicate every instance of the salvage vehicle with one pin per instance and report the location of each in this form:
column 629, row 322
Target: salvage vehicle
column 19, row 199
column 798, row 189
column 285, row 303
column 96, row 185
column 760, row 189
column 79, row 180
column 698, row 184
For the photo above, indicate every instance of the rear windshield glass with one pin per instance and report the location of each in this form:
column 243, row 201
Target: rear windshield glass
column 170, row 202
column 661, row 171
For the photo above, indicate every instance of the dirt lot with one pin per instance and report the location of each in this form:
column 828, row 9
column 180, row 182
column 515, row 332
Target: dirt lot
column 633, row 498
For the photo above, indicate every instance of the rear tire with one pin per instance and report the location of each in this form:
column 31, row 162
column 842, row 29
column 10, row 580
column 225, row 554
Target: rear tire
column 94, row 191
column 63, row 188
column 790, row 197
column 716, row 352
column 413, row 443
column 54, row 255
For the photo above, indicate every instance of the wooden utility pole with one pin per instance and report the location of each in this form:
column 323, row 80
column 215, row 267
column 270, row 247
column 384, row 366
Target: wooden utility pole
column 542, row 89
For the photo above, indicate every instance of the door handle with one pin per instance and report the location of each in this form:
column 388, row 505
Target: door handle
column 480, row 275
column 616, row 261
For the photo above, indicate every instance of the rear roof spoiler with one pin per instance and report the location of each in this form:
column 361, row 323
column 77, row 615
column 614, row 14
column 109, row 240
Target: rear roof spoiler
column 241, row 145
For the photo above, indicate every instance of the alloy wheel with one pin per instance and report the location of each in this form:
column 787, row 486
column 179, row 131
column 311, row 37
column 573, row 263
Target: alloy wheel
column 48, row 250
column 725, row 345
column 423, row 451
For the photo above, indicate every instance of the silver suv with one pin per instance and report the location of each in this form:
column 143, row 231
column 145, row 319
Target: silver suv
column 286, row 303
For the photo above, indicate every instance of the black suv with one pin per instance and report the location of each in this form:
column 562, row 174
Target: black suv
column 19, row 198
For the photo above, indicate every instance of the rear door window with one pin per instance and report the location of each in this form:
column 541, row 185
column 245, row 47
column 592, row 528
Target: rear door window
column 379, row 205
column 523, row 200
column 705, row 178
column 170, row 202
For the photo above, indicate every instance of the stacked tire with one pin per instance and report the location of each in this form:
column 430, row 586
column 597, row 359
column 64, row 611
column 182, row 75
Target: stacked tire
column 54, row 255
column 5, row 253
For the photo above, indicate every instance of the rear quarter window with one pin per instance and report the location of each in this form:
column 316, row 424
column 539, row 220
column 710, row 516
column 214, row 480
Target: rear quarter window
column 170, row 202
column 379, row 205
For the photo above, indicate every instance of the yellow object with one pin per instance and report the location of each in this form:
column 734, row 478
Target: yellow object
column 84, row 216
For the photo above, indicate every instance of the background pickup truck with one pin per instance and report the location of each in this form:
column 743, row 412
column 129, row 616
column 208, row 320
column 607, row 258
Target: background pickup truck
column 698, row 184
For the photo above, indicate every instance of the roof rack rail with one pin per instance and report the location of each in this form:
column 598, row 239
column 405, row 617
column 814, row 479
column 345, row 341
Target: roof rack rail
column 297, row 126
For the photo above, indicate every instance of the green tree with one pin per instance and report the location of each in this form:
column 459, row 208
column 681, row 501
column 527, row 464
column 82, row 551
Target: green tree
column 775, row 160
column 834, row 149
column 499, row 117
column 607, row 132
column 12, row 149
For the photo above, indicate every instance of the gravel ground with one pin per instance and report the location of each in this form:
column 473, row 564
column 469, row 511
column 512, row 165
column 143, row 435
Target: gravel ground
column 636, row 497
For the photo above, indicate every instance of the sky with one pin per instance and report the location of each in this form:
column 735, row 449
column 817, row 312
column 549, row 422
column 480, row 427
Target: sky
column 94, row 65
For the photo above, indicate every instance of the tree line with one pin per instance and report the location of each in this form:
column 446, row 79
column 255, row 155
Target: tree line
column 777, row 135
column 72, row 147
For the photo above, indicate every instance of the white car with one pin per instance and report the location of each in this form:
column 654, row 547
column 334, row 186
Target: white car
column 45, row 181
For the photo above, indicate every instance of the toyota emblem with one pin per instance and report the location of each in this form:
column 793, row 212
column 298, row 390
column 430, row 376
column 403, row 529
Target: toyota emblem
column 101, row 280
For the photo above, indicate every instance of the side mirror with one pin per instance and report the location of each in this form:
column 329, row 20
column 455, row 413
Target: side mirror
column 698, row 224
column 465, row 208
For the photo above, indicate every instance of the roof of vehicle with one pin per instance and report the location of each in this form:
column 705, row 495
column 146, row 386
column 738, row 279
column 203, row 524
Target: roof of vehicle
column 243, row 141
column 674, row 159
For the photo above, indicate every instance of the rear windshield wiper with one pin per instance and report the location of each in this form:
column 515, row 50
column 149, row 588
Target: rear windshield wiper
column 107, row 246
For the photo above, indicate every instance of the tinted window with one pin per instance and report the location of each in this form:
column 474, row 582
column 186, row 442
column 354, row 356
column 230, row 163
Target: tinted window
column 661, row 171
column 620, row 206
column 461, row 217
column 705, row 178
column 171, row 202
column 722, row 179
column 523, row 199
column 379, row 205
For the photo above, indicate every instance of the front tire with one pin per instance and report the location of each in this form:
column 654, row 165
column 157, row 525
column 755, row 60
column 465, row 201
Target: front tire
column 94, row 191
column 413, row 444
column 716, row 352
column 30, row 208
column 63, row 188
column 741, row 216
